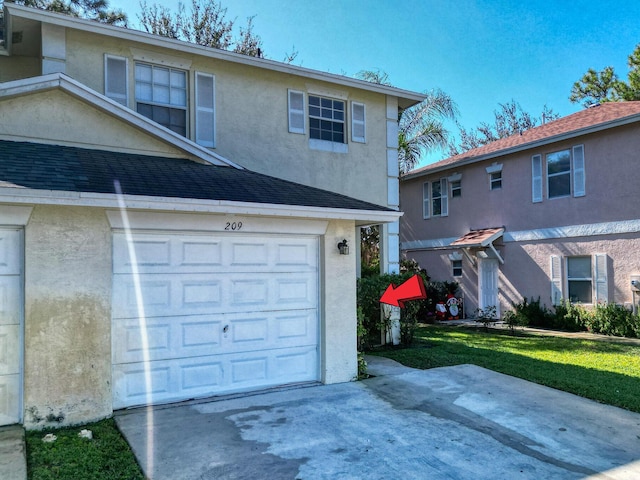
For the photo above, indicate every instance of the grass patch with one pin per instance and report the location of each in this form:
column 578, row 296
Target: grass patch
column 106, row 457
column 602, row 371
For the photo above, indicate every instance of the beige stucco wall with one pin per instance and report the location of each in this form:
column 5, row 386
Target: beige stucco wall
column 67, row 363
column 16, row 67
column 57, row 117
column 338, row 327
column 252, row 118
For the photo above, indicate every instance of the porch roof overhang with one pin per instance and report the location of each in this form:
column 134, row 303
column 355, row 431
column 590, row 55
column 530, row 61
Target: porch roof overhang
column 479, row 239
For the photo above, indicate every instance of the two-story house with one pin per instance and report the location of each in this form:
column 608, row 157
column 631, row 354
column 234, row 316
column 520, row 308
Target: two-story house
column 549, row 213
column 173, row 218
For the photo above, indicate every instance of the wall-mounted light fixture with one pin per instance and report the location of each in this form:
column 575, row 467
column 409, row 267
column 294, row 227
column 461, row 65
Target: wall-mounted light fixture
column 343, row 247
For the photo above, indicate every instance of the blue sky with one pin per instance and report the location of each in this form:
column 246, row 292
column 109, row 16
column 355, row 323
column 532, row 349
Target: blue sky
column 480, row 52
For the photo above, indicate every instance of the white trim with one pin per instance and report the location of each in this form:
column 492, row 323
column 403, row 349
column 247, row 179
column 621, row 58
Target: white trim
column 214, row 223
column 328, row 146
column 569, row 231
column 89, row 199
column 157, row 58
column 76, row 89
column 13, row 215
column 410, row 98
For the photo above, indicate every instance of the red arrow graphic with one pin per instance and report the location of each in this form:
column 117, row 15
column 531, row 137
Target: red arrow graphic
column 412, row 289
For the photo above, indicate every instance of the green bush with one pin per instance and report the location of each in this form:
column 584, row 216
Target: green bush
column 529, row 312
column 613, row 319
column 572, row 317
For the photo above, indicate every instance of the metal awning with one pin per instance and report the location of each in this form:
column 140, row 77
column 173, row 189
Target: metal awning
column 481, row 239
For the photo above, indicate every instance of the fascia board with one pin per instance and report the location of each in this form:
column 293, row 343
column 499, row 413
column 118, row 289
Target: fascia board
column 411, row 98
column 528, row 146
column 73, row 87
column 22, row 196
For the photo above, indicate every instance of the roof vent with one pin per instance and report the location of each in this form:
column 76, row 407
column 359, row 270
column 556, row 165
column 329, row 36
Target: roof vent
column 592, row 105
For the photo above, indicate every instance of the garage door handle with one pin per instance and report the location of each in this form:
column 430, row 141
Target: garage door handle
column 226, row 327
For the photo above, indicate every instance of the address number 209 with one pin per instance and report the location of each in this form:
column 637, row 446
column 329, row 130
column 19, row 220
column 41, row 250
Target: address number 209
column 233, row 226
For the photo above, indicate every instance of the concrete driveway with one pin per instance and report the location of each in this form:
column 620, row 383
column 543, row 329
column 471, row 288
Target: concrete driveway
column 460, row 422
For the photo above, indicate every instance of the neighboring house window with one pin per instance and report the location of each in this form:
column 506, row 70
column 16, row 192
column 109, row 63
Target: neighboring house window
column 456, row 188
column 357, row 122
column 161, row 95
column 326, row 119
column 565, row 170
column 115, row 79
column 496, row 180
column 439, row 199
column 579, row 280
column 559, row 174
column 456, row 266
column 586, row 279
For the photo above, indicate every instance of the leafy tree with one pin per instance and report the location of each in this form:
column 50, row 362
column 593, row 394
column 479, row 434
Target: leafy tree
column 92, row 9
column 205, row 24
column 509, row 120
column 605, row 86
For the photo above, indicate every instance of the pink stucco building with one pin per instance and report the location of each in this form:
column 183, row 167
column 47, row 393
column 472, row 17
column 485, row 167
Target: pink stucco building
column 553, row 213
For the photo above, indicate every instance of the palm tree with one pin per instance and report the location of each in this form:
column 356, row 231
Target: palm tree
column 421, row 128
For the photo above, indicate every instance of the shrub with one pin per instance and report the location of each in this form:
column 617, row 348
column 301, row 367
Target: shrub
column 572, row 317
column 613, row 319
column 529, row 312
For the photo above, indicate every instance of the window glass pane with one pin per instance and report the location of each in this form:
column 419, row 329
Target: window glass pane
column 436, row 206
column 326, row 103
column 435, row 189
column 314, row 100
column 338, row 137
column 314, row 111
column 558, row 162
column 143, row 72
column 144, row 92
column 327, row 113
column 579, row 267
column 178, row 117
column 580, row 291
column 161, row 75
column 160, row 94
column 146, row 110
column 178, row 97
column 179, row 79
column 559, row 185
column 338, row 115
column 457, row 268
column 161, row 115
column 456, row 189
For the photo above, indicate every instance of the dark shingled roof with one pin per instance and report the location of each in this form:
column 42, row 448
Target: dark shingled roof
column 54, row 167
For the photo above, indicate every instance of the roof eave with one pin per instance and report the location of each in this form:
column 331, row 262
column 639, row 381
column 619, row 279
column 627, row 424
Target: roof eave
column 526, row 146
column 406, row 98
column 28, row 196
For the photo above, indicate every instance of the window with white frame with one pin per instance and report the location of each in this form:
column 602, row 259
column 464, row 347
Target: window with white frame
column 456, row 188
column 116, row 79
column 326, row 119
column 456, row 267
column 435, row 199
column 495, row 176
column 358, row 133
column 579, row 278
column 161, row 95
column 565, row 174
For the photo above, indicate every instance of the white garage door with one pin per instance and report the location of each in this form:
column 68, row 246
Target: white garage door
column 10, row 324
column 212, row 314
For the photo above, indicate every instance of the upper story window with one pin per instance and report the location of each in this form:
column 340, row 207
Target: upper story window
column 161, row 95
column 456, row 188
column 326, row 119
column 435, row 200
column 565, row 174
column 495, row 176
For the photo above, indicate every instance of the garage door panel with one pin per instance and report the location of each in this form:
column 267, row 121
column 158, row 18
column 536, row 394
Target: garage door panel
column 9, row 349
column 183, row 379
column 10, row 246
column 223, row 313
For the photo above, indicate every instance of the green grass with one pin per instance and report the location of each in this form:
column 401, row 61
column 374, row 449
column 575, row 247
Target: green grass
column 106, row 457
column 602, row 371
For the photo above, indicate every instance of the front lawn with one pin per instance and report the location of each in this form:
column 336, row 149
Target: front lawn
column 602, row 371
column 106, row 457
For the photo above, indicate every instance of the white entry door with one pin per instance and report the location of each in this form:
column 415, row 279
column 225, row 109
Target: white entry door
column 205, row 314
column 488, row 284
column 10, row 325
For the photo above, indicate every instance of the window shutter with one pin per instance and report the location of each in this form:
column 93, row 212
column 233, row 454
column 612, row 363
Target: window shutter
column 296, row 112
column 205, row 109
column 357, row 122
column 601, row 284
column 444, row 197
column 115, row 79
column 578, row 171
column 536, row 176
column 425, row 200
column 556, row 280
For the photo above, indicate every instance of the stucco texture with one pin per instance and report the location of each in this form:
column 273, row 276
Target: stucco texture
column 67, row 364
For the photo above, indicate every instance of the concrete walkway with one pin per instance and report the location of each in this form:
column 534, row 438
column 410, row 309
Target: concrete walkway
column 461, row 422
column 13, row 462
